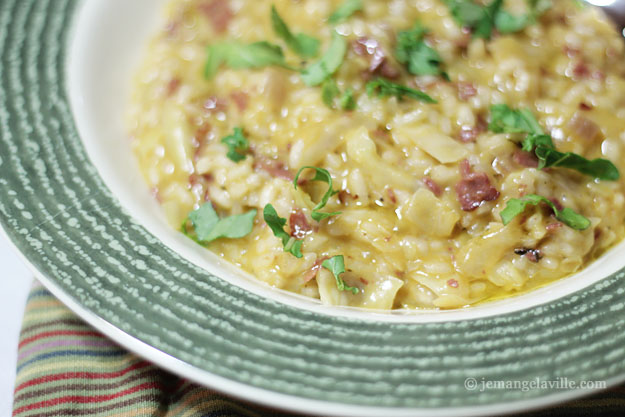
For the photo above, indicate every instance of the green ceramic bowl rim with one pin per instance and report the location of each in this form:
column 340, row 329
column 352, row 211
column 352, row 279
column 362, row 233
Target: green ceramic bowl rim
column 73, row 232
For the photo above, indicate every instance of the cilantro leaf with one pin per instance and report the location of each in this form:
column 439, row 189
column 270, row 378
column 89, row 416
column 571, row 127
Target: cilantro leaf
column 239, row 56
column 329, row 91
column 209, row 227
column 506, row 120
column 303, row 45
column 328, row 64
column 417, row 55
column 237, row 144
column 385, row 88
column 324, row 176
column 345, row 10
column 336, row 265
column 347, row 101
column 276, row 224
column 568, row 216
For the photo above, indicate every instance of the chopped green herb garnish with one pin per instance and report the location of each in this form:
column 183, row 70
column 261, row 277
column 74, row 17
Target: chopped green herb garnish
column 329, row 91
column 303, row 45
column 385, row 88
column 483, row 19
column 506, row 120
column 237, row 145
column 209, row 227
column 416, row 54
column 506, row 22
column 276, row 224
column 238, row 56
column 516, row 206
column 328, row 64
column 348, row 102
column 324, row 176
column 345, row 10
column 598, row 168
column 480, row 19
column 336, row 265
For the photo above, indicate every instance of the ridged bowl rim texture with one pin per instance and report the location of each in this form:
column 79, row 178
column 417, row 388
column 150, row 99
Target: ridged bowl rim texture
column 60, row 215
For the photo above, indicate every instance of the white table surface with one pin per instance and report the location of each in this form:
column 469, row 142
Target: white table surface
column 15, row 281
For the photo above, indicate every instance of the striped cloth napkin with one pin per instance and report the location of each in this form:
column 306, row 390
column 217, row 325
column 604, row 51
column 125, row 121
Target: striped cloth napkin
column 66, row 368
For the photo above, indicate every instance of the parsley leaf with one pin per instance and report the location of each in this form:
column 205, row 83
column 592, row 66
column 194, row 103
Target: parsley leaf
column 238, row 56
column 276, row 224
column 324, row 176
column 209, row 227
column 568, row 216
column 329, row 91
column 345, row 10
column 237, row 144
column 347, row 101
column 506, row 120
column 384, row 88
column 336, row 265
column 417, row 55
column 328, row 64
column 303, row 45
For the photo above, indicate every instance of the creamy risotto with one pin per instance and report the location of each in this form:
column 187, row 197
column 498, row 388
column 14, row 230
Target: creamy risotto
column 388, row 153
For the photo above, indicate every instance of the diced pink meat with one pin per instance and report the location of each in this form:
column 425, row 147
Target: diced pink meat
column 524, row 158
column 273, row 167
column 468, row 134
column 199, row 185
column 466, row 90
column 240, row 99
column 585, row 107
column 474, row 188
column 299, row 224
column 378, row 61
column 391, row 195
column 584, row 127
column 581, row 70
column 199, row 140
column 312, row 272
column 173, row 86
column 218, row 12
column 433, row 186
column 556, row 203
column 344, row 196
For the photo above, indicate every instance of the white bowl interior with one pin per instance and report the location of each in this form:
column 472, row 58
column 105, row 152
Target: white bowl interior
column 107, row 45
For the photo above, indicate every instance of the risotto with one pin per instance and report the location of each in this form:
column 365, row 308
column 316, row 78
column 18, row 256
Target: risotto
column 388, row 153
